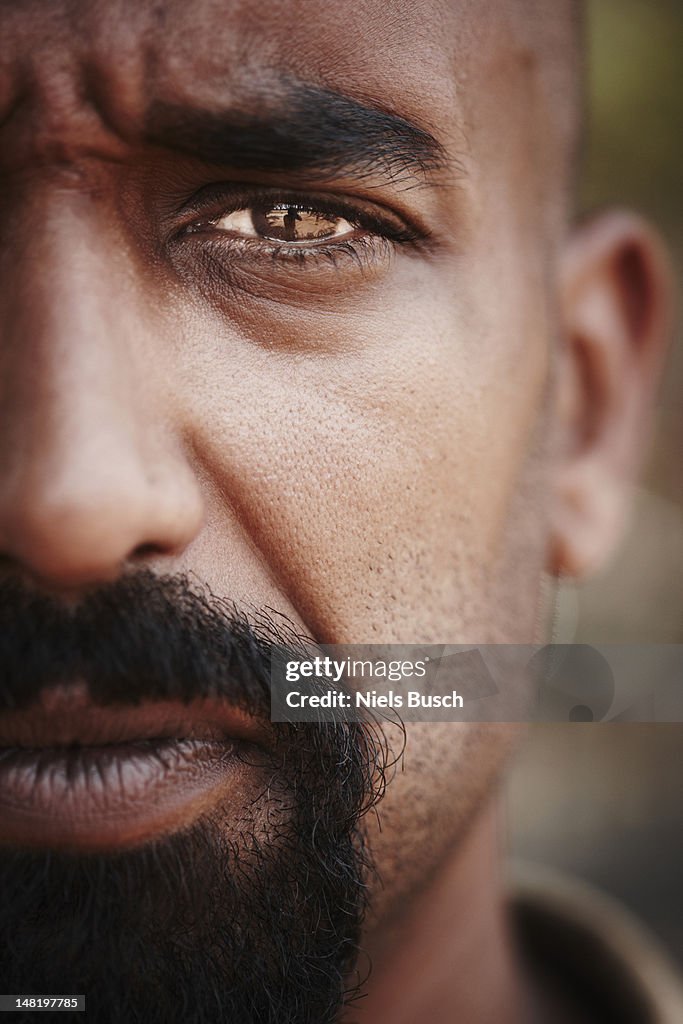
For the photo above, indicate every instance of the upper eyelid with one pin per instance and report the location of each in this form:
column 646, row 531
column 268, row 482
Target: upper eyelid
column 241, row 195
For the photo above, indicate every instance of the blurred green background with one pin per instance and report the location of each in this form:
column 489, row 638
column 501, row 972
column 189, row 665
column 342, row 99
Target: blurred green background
column 604, row 801
column 634, row 157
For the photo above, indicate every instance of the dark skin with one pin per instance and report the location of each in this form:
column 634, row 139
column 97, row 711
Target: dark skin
column 398, row 446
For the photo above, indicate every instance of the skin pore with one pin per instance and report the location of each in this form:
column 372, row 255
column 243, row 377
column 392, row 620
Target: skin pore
column 390, row 435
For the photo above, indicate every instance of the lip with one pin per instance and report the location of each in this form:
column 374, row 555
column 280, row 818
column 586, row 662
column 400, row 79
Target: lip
column 75, row 775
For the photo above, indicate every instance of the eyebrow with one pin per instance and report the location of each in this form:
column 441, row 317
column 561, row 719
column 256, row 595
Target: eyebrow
column 304, row 129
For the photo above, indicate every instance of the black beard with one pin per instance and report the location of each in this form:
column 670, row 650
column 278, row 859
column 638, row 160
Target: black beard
column 251, row 922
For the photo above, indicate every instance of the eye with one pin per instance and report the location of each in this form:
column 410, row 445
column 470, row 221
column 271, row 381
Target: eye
column 285, row 222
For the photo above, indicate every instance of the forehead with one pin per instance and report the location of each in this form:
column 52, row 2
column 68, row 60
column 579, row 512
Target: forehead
column 480, row 77
column 405, row 57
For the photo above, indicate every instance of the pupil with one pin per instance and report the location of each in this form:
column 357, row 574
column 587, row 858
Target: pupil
column 292, row 224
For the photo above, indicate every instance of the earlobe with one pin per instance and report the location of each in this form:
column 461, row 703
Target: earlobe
column 616, row 316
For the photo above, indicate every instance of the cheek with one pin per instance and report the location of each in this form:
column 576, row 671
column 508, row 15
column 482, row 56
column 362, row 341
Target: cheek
column 372, row 469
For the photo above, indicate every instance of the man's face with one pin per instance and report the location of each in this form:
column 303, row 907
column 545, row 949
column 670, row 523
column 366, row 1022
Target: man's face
column 278, row 312
column 334, row 427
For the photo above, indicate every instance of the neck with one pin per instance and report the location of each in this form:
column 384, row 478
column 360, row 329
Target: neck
column 450, row 958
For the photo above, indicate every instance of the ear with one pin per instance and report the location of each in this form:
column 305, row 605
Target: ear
column 616, row 294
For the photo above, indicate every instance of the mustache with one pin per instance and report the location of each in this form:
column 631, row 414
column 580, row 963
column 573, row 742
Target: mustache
column 142, row 637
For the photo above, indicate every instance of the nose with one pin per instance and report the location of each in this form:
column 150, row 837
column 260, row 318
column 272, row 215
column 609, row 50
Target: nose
column 93, row 472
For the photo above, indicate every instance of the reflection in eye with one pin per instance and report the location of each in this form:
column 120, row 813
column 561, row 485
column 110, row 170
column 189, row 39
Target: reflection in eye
column 284, row 223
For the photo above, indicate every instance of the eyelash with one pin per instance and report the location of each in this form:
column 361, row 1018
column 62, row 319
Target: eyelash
column 381, row 234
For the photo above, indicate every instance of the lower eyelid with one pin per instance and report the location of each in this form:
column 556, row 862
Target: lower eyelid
column 223, row 269
column 311, row 250
column 359, row 251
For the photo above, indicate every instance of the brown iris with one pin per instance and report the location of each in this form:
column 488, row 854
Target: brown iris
column 297, row 224
column 284, row 222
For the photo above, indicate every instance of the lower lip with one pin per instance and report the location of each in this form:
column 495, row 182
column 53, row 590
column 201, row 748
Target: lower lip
column 111, row 796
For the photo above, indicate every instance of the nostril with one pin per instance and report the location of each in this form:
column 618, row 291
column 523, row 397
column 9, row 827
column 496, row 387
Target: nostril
column 148, row 550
